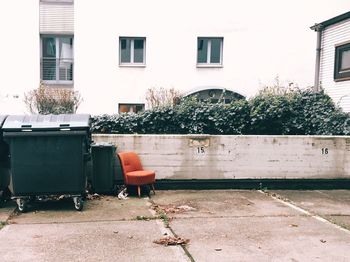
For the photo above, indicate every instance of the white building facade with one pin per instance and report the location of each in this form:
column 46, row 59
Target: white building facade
column 332, row 71
column 124, row 51
column 113, row 51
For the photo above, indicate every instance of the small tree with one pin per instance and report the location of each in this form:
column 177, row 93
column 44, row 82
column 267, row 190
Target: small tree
column 46, row 100
column 158, row 97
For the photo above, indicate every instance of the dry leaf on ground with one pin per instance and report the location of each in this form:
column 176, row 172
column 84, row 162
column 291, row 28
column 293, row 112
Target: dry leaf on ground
column 171, row 241
column 168, row 209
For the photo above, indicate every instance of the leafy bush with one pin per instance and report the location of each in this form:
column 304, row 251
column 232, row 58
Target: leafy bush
column 46, row 100
column 270, row 112
column 188, row 117
column 299, row 112
column 160, row 96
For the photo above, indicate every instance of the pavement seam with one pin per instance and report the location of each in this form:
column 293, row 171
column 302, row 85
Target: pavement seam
column 266, row 216
column 290, row 204
column 173, row 233
column 74, row 222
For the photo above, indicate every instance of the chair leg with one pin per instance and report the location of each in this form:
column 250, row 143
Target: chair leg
column 139, row 191
column 154, row 192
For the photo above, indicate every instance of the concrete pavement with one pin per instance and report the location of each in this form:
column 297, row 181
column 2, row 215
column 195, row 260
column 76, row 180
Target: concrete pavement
column 222, row 225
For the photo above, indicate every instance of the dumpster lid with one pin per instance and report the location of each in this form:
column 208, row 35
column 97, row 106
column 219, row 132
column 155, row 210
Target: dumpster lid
column 103, row 144
column 2, row 119
column 47, row 122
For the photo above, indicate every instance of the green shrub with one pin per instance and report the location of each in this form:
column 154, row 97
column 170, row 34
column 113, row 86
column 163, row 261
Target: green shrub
column 270, row 112
column 188, row 117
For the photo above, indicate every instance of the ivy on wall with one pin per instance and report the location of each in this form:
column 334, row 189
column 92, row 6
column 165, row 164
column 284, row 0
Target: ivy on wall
column 296, row 112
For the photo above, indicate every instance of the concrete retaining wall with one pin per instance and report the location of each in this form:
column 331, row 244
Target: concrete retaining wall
column 238, row 157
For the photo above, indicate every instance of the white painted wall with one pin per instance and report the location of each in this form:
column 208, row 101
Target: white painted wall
column 19, row 53
column 261, row 39
column 230, row 157
column 334, row 35
column 258, row 45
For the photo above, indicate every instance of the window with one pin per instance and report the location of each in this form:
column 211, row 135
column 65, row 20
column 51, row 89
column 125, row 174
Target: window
column 57, row 59
column 342, row 63
column 57, row 1
column 132, row 50
column 131, row 108
column 209, row 51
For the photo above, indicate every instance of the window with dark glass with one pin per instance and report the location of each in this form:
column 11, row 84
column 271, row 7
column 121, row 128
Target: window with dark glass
column 131, row 108
column 57, row 59
column 342, row 62
column 209, row 51
column 132, row 50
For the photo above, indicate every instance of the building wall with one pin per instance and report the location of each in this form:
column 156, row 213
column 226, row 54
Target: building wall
column 230, row 157
column 251, row 51
column 171, row 44
column 257, row 47
column 334, row 35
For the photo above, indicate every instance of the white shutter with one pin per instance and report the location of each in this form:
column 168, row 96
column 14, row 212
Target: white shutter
column 56, row 18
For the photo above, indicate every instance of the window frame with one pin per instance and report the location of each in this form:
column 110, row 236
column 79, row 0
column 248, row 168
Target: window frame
column 130, row 105
column 57, row 81
column 338, row 75
column 132, row 51
column 208, row 63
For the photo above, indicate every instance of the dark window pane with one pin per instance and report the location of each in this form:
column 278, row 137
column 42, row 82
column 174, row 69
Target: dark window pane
column 49, row 47
column 138, row 50
column 202, row 50
column 345, row 60
column 49, row 69
column 215, row 50
column 65, row 48
column 125, row 47
column 131, row 108
column 65, row 62
column 139, row 108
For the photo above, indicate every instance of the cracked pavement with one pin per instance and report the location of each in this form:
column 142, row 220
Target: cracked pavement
column 222, row 225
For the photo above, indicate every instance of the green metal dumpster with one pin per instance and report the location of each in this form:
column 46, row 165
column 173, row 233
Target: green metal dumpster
column 103, row 161
column 4, row 164
column 48, row 156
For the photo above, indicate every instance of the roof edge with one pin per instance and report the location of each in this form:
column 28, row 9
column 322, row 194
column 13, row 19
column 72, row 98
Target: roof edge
column 334, row 20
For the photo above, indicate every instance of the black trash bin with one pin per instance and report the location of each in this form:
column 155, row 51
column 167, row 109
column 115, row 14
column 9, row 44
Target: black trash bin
column 103, row 161
column 48, row 156
column 4, row 164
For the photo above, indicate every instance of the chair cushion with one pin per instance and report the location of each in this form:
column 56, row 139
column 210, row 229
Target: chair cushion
column 130, row 161
column 142, row 177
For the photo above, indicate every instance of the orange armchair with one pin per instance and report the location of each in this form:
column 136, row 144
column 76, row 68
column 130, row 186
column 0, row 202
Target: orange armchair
column 133, row 172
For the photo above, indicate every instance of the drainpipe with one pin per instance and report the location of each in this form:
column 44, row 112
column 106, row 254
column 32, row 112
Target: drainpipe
column 318, row 28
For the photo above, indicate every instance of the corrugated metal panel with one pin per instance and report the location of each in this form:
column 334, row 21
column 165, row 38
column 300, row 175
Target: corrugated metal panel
column 332, row 36
column 56, row 18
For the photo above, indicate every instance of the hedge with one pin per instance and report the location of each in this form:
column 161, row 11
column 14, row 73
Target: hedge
column 300, row 112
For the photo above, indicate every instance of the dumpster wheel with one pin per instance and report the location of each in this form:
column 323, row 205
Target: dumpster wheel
column 78, row 203
column 21, row 204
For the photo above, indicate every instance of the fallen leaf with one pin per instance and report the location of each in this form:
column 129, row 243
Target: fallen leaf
column 293, row 225
column 171, row 241
column 173, row 209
